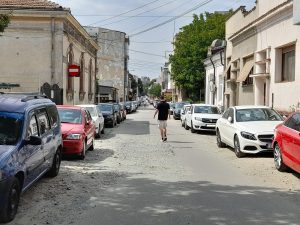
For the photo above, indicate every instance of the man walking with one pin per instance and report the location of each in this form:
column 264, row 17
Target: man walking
column 163, row 110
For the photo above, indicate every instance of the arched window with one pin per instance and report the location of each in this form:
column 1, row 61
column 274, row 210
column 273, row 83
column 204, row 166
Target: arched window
column 70, row 61
column 90, row 76
column 82, row 70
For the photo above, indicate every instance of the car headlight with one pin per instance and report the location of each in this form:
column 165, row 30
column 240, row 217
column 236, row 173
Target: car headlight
column 198, row 118
column 247, row 135
column 74, row 136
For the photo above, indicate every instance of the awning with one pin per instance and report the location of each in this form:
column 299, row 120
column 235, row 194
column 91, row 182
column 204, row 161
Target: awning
column 227, row 68
column 245, row 71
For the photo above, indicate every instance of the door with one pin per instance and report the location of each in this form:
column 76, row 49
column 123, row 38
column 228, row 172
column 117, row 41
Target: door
column 89, row 127
column 291, row 141
column 101, row 118
column 33, row 154
column 228, row 128
column 47, row 135
column 188, row 116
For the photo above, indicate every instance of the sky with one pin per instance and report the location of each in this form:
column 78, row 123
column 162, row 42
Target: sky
column 149, row 50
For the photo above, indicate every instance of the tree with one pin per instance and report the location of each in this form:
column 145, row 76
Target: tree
column 140, row 87
column 191, row 45
column 155, row 90
column 4, row 21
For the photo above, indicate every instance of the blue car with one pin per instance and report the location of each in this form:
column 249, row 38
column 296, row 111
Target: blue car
column 30, row 146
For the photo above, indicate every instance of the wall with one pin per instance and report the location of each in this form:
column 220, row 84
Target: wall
column 273, row 33
column 111, row 58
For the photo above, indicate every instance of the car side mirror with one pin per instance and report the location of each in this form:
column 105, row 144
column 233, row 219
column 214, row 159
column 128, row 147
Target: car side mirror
column 230, row 120
column 34, row 140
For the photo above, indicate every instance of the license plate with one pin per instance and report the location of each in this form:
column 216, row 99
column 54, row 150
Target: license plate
column 210, row 125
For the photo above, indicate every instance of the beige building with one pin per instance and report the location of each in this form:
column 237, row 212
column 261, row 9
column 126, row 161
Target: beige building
column 112, row 60
column 41, row 41
column 268, row 50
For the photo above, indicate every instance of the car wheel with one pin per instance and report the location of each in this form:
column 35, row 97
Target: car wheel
column 237, row 148
column 118, row 121
column 182, row 124
column 92, row 147
column 11, row 202
column 98, row 134
column 53, row 172
column 219, row 140
column 280, row 166
column 192, row 128
column 102, row 131
column 186, row 126
column 82, row 154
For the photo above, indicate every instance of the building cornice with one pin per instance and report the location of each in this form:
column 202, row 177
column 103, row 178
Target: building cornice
column 271, row 13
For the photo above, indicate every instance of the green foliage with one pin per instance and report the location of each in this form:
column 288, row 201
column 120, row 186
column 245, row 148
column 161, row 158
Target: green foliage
column 4, row 21
column 155, row 90
column 140, row 87
column 191, row 45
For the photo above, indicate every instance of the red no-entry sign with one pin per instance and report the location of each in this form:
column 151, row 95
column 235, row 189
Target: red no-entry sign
column 74, row 70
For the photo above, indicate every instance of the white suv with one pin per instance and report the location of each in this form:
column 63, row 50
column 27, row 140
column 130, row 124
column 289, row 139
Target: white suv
column 202, row 117
column 97, row 117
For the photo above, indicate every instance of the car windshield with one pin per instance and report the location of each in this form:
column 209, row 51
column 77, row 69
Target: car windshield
column 70, row 116
column 172, row 105
column 92, row 111
column 106, row 108
column 179, row 105
column 257, row 114
column 10, row 127
column 206, row 109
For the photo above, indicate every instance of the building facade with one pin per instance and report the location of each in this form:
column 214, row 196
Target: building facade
column 268, row 41
column 37, row 47
column 214, row 79
column 112, row 60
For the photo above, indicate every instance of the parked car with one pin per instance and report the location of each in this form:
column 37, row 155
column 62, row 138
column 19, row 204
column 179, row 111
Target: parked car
column 129, row 107
column 97, row 117
column 202, row 117
column 286, row 144
column 30, row 146
column 247, row 129
column 118, row 112
column 172, row 107
column 78, row 130
column 177, row 110
column 108, row 112
column 123, row 111
column 183, row 113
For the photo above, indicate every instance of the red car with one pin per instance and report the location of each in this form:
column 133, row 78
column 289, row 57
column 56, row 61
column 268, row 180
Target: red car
column 286, row 144
column 78, row 130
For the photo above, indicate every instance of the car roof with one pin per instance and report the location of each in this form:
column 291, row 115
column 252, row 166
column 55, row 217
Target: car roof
column 251, row 107
column 87, row 105
column 20, row 102
column 204, row 105
column 105, row 104
column 68, row 107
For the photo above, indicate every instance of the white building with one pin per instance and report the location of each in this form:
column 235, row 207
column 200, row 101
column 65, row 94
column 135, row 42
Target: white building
column 214, row 79
column 275, row 63
column 41, row 41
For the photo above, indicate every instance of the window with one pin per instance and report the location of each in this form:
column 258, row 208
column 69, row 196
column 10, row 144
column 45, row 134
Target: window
column 70, row 61
column 294, row 122
column 81, row 84
column 33, row 127
column 43, row 121
column 90, row 76
column 53, row 115
column 288, row 64
column 249, row 80
column 257, row 114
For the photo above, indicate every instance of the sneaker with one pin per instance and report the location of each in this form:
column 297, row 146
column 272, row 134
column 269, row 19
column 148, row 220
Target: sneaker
column 165, row 139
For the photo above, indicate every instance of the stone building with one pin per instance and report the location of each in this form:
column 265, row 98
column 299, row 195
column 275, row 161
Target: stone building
column 41, row 41
column 112, row 60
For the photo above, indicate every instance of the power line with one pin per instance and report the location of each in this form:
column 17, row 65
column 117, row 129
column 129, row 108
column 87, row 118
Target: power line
column 140, row 16
column 170, row 20
column 124, row 12
column 146, row 53
column 167, row 3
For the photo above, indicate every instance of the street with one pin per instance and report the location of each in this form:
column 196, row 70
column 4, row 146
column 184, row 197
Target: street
column 132, row 178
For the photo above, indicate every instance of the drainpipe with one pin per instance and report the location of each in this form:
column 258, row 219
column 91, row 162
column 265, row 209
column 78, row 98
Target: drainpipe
column 52, row 49
column 213, row 93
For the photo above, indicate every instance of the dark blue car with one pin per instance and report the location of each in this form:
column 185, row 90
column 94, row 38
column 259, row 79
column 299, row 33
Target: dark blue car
column 30, row 146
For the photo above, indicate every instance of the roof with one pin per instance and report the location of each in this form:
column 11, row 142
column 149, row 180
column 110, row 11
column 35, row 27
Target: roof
column 68, row 107
column 20, row 102
column 250, row 107
column 30, row 4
